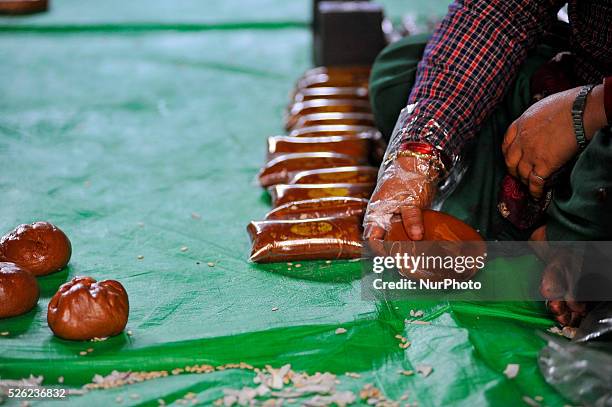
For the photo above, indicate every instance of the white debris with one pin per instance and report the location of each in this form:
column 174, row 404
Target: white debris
column 424, row 370
column 340, row 399
column 340, row 331
column 511, row 370
column 416, row 314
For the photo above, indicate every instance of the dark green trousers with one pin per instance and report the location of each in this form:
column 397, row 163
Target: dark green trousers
column 581, row 208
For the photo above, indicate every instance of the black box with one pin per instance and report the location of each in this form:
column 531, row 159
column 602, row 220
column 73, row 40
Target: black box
column 348, row 33
column 315, row 13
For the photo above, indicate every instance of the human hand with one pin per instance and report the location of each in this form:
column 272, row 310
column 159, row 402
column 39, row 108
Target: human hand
column 542, row 139
column 557, row 280
column 406, row 187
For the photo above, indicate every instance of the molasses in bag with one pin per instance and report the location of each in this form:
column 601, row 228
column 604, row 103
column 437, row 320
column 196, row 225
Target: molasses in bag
column 310, row 239
column 320, row 208
column 285, row 193
column 280, row 169
column 352, row 175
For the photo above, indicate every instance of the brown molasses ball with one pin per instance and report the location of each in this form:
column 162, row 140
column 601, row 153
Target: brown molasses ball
column 41, row 248
column 18, row 290
column 84, row 309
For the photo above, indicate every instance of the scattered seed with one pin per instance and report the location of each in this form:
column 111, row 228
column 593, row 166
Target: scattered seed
column 140, row 257
column 298, row 265
column 511, row 370
column 417, row 322
column 184, row 249
column 4, row 333
column 60, row 379
column 210, row 264
column 340, row 331
column 327, row 261
column 404, row 345
column 196, row 216
column 531, row 402
column 274, row 308
column 539, row 398
column 290, row 264
column 407, row 372
column 82, row 353
column 130, row 333
column 424, row 370
column 353, row 375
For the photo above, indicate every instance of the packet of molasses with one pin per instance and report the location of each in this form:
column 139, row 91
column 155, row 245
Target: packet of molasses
column 320, row 208
column 311, row 239
column 285, row 193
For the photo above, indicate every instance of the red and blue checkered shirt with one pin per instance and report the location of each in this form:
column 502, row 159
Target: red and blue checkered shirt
column 474, row 55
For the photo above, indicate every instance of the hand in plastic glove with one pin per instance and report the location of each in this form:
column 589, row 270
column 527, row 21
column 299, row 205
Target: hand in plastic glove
column 542, row 139
column 406, row 186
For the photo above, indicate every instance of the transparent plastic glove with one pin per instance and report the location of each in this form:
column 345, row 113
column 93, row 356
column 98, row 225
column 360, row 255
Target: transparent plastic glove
column 405, row 185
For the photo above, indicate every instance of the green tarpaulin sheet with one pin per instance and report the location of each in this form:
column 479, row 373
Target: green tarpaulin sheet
column 138, row 128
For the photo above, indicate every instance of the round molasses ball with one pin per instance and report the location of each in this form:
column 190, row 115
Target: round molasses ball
column 40, row 248
column 84, row 309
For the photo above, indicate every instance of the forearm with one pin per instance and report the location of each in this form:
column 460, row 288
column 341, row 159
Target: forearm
column 467, row 67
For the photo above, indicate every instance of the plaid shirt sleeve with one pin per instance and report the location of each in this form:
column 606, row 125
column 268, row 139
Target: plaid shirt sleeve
column 467, row 65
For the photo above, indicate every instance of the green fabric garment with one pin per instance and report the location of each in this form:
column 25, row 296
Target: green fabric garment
column 580, row 209
column 139, row 142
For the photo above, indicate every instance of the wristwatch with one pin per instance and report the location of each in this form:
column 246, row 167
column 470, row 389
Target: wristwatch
column 578, row 116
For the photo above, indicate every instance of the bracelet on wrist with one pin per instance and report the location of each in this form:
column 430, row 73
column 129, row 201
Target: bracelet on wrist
column 422, row 151
column 578, row 116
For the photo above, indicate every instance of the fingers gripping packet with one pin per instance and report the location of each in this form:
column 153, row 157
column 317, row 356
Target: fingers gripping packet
column 353, row 175
column 406, row 177
column 283, row 193
column 279, row 169
column 312, row 239
column 320, row 208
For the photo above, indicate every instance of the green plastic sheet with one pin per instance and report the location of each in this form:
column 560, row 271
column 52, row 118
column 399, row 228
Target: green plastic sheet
column 138, row 128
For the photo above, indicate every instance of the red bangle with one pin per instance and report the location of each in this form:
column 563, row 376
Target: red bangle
column 608, row 98
column 421, row 147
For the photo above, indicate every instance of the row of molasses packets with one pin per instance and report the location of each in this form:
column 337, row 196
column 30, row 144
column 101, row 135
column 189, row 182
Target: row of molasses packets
column 322, row 172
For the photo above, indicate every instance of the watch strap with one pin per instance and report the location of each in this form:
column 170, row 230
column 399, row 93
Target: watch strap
column 578, row 116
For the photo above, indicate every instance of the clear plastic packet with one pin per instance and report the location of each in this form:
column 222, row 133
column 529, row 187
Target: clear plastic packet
column 280, row 168
column 320, row 208
column 580, row 372
column 334, row 130
column 285, row 193
column 334, row 77
column 325, row 106
column 359, row 145
column 352, row 175
column 322, row 119
column 311, row 239
column 360, row 70
column 360, row 93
